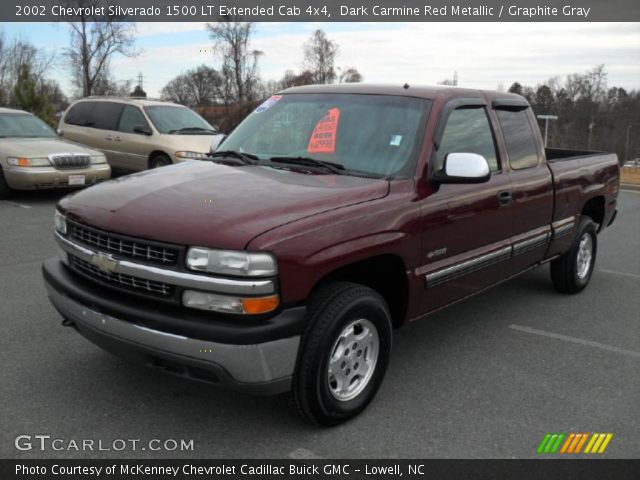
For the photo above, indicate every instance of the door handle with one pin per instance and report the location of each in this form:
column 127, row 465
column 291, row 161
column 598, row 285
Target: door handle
column 109, row 137
column 505, row 198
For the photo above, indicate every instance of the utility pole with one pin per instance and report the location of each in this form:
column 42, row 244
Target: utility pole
column 455, row 78
column 140, row 81
column 591, row 125
column 626, row 145
column 546, row 119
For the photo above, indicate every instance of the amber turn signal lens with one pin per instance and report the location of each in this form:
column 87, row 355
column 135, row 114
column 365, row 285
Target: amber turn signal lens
column 23, row 162
column 261, row 304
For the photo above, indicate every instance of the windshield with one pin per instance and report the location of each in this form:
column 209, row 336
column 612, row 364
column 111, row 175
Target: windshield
column 178, row 120
column 373, row 134
column 24, row 125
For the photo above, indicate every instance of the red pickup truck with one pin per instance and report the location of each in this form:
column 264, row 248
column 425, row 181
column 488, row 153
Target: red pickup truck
column 329, row 217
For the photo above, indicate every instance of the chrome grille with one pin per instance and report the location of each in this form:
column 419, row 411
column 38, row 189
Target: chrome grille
column 107, row 242
column 121, row 280
column 70, row 160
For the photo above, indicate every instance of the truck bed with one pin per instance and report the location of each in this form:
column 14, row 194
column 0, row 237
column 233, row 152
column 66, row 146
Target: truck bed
column 555, row 154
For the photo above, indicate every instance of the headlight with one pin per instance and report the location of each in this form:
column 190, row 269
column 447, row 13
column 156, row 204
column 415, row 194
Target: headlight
column 231, row 262
column 28, row 162
column 98, row 159
column 191, row 155
column 228, row 304
column 60, row 222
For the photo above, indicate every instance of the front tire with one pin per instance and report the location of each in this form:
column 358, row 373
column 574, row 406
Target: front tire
column 5, row 191
column 343, row 354
column 572, row 271
column 159, row 160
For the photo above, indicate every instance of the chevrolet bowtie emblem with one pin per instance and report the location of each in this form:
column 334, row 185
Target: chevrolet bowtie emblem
column 105, row 263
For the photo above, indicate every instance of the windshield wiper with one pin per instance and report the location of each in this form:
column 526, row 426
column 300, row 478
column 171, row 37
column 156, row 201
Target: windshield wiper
column 192, row 129
column 311, row 162
column 240, row 157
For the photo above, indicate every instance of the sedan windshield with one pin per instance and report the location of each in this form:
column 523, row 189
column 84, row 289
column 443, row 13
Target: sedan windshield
column 24, row 125
column 372, row 134
column 178, row 120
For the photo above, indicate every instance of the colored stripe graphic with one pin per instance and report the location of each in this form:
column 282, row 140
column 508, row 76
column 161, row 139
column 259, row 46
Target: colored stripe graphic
column 573, row 443
column 550, row 443
column 598, row 442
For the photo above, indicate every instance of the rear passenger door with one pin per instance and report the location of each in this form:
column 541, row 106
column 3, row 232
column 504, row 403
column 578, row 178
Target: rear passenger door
column 531, row 182
column 467, row 227
column 105, row 118
column 133, row 147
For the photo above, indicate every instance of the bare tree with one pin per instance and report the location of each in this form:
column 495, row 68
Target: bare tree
column 319, row 57
column 200, row 86
column 239, row 71
column 91, row 46
column 350, row 75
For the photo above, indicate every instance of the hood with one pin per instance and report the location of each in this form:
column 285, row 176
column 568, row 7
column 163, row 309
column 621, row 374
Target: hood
column 40, row 147
column 212, row 205
column 194, row 143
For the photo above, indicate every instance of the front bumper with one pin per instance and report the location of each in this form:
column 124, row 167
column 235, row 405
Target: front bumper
column 258, row 367
column 31, row 178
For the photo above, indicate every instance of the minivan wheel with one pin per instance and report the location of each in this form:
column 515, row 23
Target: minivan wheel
column 572, row 271
column 343, row 353
column 159, row 160
column 5, row 191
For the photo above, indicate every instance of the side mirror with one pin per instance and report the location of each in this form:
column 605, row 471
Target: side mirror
column 142, row 129
column 216, row 141
column 463, row 168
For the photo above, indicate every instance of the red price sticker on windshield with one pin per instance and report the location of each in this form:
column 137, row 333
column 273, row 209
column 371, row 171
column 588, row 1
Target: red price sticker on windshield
column 323, row 137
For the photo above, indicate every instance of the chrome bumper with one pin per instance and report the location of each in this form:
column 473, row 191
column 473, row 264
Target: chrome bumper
column 266, row 363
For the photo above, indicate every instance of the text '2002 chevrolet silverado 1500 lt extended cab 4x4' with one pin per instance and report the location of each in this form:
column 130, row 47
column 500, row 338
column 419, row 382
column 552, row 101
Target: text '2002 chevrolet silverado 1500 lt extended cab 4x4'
column 330, row 216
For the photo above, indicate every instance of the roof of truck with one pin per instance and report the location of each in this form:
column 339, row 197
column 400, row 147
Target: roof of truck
column 406, row 90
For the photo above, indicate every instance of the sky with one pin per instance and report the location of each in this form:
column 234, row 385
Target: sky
column 485, row 55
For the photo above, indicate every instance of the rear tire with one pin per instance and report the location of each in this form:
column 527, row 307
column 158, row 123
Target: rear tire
column 5, row 191
column 159, row 160
column 572, row 271
column 343, row 353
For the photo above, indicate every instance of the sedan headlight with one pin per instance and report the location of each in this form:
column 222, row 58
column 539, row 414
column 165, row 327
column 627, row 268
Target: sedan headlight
column 60, row 222
column 228, row 262
column 98, row 159
column 28, row 162
column 191, row 155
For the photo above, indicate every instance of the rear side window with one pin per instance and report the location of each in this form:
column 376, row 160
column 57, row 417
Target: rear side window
column 468, row 131
column 131, row 117
column 80, row 114
column 519, row 138
column 103, row 115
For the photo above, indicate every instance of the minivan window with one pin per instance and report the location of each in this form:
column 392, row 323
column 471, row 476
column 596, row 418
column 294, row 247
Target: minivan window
column 24, row 125
column 373, row 134
column 178, row 120
column 519, row 138
column 131, row 117
column 468, row 131
column 102, row 115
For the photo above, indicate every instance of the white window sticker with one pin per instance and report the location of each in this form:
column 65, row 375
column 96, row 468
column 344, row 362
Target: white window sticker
column 396, row 140
column 268, row 103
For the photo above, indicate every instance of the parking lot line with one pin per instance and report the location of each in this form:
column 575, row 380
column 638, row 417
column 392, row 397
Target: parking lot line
column 579, row 341
column 626, row 274
column 15, row 204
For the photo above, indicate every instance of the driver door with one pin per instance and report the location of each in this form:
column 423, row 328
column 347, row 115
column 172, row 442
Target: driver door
column 466, row 227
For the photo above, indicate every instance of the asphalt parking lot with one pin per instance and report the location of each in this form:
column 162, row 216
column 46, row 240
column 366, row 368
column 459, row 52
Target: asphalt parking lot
column 486, row 378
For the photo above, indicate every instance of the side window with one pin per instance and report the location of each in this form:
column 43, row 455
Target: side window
column 131, row 117
column 519, row 138
column 106, row 115
column 468, row 131
column 80, row 114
